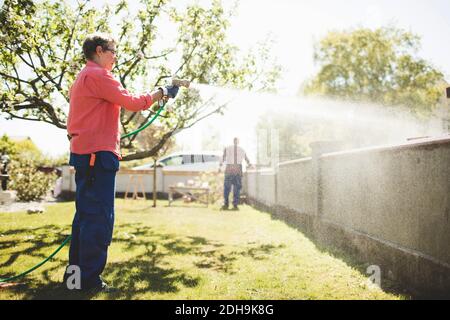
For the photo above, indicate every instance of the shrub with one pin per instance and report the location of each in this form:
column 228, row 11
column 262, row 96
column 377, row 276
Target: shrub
column 29, row 183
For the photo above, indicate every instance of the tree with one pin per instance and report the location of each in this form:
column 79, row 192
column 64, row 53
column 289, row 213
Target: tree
column 27, row 149
column 7, row 146
column 20, row 149
column 380, row 66
column 151, row 136
column 41, row 56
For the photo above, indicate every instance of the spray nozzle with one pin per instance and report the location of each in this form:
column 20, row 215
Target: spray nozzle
column 181, row 82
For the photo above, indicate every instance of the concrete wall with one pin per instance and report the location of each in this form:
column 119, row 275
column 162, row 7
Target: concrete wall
column 295, row 186
column 387, row 205
column 400, row 195
column 251, row 183
column 266, row 186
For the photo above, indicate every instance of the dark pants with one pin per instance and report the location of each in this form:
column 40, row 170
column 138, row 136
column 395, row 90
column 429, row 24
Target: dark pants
column 4, row 184
column 93, row 223
column 234, row 180
column 4, row 180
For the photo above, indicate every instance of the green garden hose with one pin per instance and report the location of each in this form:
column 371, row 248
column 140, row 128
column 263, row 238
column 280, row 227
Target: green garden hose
column 38, row 265
column 144, row 126
column 69, row 237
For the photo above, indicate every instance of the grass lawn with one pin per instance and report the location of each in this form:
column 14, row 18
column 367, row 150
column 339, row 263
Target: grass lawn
column 182, row 252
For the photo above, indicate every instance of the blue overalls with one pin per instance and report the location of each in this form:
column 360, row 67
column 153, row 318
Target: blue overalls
column 93, row 223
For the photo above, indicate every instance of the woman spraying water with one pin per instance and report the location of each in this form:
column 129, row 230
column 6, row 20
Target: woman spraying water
column 93, row 128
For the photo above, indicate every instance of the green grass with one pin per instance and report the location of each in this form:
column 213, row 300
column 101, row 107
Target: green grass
column 182, row 252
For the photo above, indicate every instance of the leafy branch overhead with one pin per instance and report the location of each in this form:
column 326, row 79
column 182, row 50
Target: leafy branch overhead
column 41, row 56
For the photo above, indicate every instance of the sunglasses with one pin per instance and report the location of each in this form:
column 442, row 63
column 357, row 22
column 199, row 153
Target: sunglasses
column 112, row 50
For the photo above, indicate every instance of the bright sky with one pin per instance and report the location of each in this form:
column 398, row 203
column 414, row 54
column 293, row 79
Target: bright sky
column 294, row 25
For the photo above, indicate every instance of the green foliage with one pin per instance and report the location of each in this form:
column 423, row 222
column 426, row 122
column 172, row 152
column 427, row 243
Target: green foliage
column 26, row 149
column 36, row 61
column 25, row 156
column 29, row 183
column 17, row 150
column 7, row 146
column 380, row 66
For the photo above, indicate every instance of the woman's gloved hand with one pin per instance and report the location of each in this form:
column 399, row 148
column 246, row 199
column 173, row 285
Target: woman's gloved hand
column 169, row 91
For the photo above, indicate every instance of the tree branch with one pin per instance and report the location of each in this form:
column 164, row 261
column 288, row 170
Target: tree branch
column 142, row 42
column 44, row 66
column 19, row 107
column 159, row 56
column 133, row 65
column 31, row 119
column 69, row 40
column 14, row 78
column 188, row 58
column 153, row 151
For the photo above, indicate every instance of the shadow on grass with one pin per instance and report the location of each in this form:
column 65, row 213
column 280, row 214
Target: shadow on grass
column 148, row 270
column 37, row 238
column 348, row 255
column 224, row 261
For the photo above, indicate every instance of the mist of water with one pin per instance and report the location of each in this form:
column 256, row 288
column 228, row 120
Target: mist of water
column 356, row 124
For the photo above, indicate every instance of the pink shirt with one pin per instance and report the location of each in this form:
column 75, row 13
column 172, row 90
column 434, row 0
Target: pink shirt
column 94, row 114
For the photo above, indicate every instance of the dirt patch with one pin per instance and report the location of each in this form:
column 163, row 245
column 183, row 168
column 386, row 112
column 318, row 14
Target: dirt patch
column 25, row 206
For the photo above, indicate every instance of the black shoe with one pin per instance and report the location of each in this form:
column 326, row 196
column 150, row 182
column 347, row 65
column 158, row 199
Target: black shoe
column 103, row 287
column 224, row 207
column 235, row 208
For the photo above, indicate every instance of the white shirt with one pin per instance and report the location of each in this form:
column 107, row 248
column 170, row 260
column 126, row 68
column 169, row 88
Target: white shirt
column 234, row 155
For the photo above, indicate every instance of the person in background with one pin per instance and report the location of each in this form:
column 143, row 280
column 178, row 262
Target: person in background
column 57, row 189
column 4, row 162
column 233, row 156
column 93, row 127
